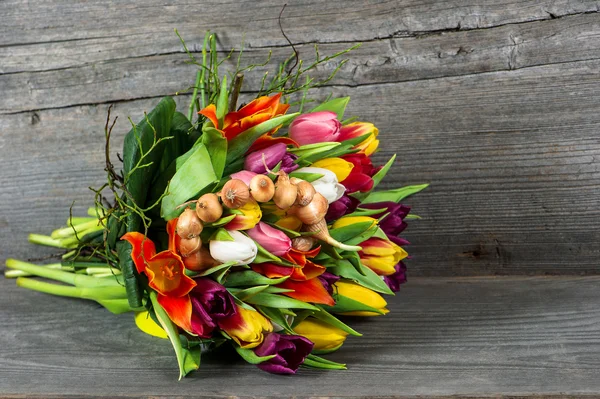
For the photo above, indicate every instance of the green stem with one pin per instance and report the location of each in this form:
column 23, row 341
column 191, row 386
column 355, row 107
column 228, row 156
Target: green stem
column 96, row 294
column 21, row 273
column 41, row 239
column 78, row 280
column 74, row 240
column 73, row 229
column 102, row 270
column 203, row 78
column 194, row 95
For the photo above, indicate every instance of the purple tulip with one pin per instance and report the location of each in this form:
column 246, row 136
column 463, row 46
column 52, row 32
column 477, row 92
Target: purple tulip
column 341, row 207
column 287, row 163
column 272, row 156
column 289, row 350
column 393, row 224
column 210, row 302
column 273, row 240
column 316, row 127
column 399, row 277
column 328, row 279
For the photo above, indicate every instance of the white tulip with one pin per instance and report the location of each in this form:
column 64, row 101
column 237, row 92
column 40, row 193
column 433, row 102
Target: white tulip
column 242, row 249
column 328, row 185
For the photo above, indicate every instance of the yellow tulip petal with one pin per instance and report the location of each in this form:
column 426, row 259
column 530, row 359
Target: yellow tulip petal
column 348, row 220
column 323, row 335
column 290, row 223
column 339, row 166
column 361, row 294
column 145, row 323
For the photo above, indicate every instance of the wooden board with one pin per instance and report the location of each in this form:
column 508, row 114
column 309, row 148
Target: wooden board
column 495, row 105
column 475, row 336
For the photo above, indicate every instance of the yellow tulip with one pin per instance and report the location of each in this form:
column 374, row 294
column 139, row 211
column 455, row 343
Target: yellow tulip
column 362, row 295
column 356, row 129
column 339, row 166
column 348, row 220
column 247, row 328
column 325, row 337
column 290, row 223
column 251, row 215
column 381, row 255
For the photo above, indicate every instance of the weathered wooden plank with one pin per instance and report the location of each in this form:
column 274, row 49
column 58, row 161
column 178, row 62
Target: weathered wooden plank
column 127, row 76
column 512, row 158
column 444, row 336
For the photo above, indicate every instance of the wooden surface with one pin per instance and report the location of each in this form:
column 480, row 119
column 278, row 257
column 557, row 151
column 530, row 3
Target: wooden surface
column 467, row 336
column 496, row 105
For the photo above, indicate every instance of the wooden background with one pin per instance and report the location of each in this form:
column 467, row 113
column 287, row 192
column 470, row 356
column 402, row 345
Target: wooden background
column 496, row 104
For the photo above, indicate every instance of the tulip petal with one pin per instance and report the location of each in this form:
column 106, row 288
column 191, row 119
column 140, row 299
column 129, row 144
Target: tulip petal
column 211, row 113
column 309, row 271
column 266, row 141
column 144, row 322
column 339, row 166
column 272, row 270
column 308, row 291
column 166, row 275
column 179, row 310
column 358, row 182
column 143, row 249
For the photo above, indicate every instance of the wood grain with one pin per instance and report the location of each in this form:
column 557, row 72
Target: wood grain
column 478, row 336
column 496, row 105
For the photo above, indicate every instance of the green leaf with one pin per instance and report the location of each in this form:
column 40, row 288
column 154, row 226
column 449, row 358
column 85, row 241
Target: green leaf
column 251, row 278
column 314, row 361
column 344, row 304
column 275, row 315
column 216, row 145
column 369, row 279
column 188, row 361
column 412, row 216
column 350, row 231
column 337, row 105
column 251, row 357
column 395, row 195
column 143, row 149
column 242, row 142
column 215, row 269
column 245, row 294
column 180, row 143
column 288, row 232
column 362, row 236
column 194, row 175
column 221, row 222
column 222, row 101
column 115, row 306
column 130, row 275
column 377, row 178
column 365, row 212
column 279, row 301
column 308, row 150
column 221, row 234
column 330, row 319
column 309, row 177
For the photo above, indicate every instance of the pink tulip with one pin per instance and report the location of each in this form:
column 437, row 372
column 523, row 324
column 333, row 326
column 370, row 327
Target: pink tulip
column 273, row 240
column 244, row 175
column 272, row 155
column 316, row 127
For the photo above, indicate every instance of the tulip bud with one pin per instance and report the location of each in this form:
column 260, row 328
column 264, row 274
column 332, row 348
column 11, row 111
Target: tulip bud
column 242, row 249
column 250, row 216
column 315, row 127
column 325, row 337
column 246, row 327
column 244, row 175
column 289, row 350
column 327, row 185
column 381, row 255
column 272, row 155
column 356, row 129
column 362, row 295
column 273, row 240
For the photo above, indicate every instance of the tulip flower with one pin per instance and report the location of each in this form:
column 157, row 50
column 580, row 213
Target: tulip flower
column 289, row 350
column 244, row 175
column 356, row 129
column 341, row 207
column 200, row 312
column 328, row 279
column 393, row 224
column 273, row 240
column 350, row 220
column 327, row 185
column 271, row 156
column 399, row 277
column 339, row 166
column 381, row 255
column 165, row 270
column 363, row 295
column 242, row 249
column 254, row 113
column 250, row 216
column 316, row 127
column 325, row 337
column 246, row 327
column 360, row 178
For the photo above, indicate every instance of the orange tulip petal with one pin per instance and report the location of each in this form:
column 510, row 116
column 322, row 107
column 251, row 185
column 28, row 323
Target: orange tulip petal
column 308, row 291
column 142, row 250
column 211, row 113
column 272, row 270
column 179, row 310
column 309, row 271
column 171, row 227
column 166, row 275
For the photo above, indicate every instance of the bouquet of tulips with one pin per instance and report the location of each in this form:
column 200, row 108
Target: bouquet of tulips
column 251, row 226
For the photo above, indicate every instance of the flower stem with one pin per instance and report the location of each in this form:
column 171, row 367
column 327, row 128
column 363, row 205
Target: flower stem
column 41, row 239
column 237, row 87
column 21, row 273
column 96, row 294
column 75, row 228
